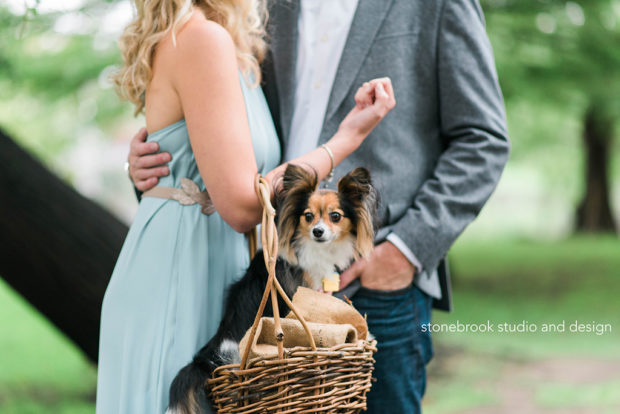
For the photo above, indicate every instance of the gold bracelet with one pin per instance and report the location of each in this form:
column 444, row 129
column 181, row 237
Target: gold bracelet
column 330, row 176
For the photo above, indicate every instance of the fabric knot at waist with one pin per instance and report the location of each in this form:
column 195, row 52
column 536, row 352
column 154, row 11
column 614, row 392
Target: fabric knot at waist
column 189, row 194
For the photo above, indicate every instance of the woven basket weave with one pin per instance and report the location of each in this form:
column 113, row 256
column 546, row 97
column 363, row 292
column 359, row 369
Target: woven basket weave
column 296, row 380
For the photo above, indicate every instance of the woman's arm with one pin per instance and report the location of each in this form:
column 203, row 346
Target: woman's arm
column 372, row 102
column 206, row 80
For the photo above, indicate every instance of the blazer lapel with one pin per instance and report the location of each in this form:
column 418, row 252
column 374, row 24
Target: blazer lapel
column 284, row 15
column 364, row 28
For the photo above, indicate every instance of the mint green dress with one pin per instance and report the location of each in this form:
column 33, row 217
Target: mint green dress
column 165, row 298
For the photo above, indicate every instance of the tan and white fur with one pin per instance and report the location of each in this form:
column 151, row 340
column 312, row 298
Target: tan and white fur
column 322, row 230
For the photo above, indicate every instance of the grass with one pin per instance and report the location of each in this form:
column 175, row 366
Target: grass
column 512, row 281
column 539, row 283
column 495, row 281
column 41, row 371
column 580, row 395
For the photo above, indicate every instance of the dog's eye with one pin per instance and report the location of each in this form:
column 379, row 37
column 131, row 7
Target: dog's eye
column 335, row 217
column 309, row 217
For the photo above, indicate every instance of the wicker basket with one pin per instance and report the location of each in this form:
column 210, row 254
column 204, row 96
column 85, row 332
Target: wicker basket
column 296, row 380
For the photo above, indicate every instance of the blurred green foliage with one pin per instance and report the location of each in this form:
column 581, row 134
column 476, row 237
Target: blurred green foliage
column 557, row 50
column 54, row 85
column 548, row 52
column 555, row 60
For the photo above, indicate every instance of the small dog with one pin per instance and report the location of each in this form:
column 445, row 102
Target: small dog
column 320, row 231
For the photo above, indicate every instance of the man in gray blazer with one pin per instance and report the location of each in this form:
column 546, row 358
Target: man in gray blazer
column 435, row 159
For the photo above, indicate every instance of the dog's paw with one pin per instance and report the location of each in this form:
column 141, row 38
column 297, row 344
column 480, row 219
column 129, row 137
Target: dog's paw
column 229, row 352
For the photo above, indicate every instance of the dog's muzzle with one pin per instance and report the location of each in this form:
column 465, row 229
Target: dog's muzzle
column 319, row 233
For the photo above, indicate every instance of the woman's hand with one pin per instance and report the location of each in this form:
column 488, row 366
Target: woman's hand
column 373, row 101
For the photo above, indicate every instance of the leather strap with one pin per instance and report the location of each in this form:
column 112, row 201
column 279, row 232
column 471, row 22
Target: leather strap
column 189, row 194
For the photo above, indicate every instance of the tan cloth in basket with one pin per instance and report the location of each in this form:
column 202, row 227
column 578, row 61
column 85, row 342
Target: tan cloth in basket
column 321, row 308
column 325, row 336
column 331, row 321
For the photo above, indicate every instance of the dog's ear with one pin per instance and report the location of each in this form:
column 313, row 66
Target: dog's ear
column 295, row 180
column 299, row 179
column 291, row 197
column 357, row 188
column 356, row 185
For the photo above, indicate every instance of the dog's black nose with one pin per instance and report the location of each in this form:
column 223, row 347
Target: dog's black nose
column 318, row 232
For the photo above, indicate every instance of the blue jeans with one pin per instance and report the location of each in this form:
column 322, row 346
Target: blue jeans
column 395, row 319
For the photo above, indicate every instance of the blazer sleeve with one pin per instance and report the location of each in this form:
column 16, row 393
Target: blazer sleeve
column 473, row 127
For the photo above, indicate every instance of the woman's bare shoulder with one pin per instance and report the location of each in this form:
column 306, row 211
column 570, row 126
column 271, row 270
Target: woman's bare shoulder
column 202, row 35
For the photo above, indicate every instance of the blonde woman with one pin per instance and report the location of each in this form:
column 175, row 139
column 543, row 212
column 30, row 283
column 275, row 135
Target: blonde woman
column 192, row 66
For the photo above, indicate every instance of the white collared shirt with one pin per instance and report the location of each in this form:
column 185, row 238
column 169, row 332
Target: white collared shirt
column 323, row 30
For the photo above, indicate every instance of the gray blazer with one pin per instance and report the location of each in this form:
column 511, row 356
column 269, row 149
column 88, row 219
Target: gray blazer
column 437, row 157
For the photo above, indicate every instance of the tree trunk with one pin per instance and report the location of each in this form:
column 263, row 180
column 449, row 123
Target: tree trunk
column 594, row 212
column 57, row 248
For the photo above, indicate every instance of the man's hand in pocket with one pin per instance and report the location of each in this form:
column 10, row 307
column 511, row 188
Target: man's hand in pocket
column 386, row 269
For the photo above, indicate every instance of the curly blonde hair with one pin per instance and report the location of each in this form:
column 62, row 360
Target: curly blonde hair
column 243, row 19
